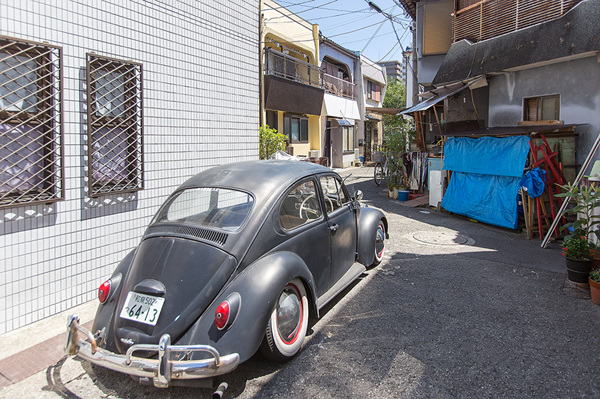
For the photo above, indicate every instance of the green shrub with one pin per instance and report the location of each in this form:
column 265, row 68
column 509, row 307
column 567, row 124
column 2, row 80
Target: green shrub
column 269, row 142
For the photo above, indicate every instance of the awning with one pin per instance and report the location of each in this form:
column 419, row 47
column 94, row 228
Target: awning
column 340, row 107
column 438, row 94
column 343, row 122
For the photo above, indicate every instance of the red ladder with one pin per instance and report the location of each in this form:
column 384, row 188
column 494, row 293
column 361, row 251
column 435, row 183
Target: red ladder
column 554, row 176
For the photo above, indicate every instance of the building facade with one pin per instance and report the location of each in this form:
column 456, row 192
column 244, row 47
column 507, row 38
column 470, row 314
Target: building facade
column 105, row 108
column 340, row 115
column 394, row 70
column 371, row 94
column 292, row 93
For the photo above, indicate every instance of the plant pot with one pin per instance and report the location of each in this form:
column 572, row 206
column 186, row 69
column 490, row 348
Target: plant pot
column 596, row 261
column 595, row 291
column 403, row 195
column 578, row 270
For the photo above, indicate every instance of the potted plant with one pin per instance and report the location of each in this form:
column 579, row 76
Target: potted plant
column 578, row 258
column 578, row 246
column 594, row 281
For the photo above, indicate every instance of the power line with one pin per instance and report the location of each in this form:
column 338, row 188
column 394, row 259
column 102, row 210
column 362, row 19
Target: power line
column 361, row 11
column 377, row 31
column 319, row 7
column 393, row 47
column 356, row 30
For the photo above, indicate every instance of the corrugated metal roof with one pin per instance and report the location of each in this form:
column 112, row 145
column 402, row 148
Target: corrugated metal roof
column 438, row 94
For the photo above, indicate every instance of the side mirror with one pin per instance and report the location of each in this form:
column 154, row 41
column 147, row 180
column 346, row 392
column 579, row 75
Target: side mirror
column 358, row 195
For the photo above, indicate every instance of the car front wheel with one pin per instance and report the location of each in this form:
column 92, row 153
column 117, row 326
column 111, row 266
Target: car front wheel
column 379, row 243
column 288, row 323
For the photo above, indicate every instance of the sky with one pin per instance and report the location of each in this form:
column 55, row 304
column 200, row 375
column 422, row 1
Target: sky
column 356, row 26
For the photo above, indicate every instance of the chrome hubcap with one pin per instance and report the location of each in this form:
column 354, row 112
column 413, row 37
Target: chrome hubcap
column 289, row 314
column 379, row 242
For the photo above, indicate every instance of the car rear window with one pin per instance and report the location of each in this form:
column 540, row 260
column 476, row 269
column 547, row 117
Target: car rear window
column 207, row 207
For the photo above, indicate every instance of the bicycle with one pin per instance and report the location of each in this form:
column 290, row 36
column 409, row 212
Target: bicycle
column 398, row 174
column 381, row 171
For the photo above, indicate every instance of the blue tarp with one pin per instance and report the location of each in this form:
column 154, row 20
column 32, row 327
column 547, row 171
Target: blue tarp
column 486, row 177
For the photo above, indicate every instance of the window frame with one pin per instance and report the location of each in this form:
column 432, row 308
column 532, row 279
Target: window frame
column 347, row 139
column 539, row 107
column 128, row 126
column 373, row 91
column 308, row 221
column 343, row 197
column 287, row 127
column 48, row 184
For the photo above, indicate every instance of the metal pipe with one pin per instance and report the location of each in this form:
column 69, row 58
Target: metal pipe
column 576, row 182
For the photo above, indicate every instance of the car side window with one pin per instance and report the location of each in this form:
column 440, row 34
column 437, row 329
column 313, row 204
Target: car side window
column 334, row 195
column 300, row 206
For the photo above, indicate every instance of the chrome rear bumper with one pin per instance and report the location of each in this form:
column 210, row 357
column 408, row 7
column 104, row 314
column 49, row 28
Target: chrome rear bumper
column 161, row 370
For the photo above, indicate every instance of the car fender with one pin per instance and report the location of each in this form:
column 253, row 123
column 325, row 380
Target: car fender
column 105, row 312
column 368, row 222
column 259, row 286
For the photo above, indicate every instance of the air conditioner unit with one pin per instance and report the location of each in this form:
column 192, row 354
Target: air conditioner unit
column 313, row 153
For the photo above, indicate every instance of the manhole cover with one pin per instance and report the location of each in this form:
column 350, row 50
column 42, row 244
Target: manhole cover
column 440, row 238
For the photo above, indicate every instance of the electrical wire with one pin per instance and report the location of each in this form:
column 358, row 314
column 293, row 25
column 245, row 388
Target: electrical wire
column 393, row 47
column 221, row 30
column 356, row 30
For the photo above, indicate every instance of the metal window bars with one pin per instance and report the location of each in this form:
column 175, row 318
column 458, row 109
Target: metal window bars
column 339, row 87
column 481, row 20
column 115, row 126
column 31, row 138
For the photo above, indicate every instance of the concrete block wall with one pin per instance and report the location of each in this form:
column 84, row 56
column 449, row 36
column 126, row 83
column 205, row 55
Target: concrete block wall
column 200, row 93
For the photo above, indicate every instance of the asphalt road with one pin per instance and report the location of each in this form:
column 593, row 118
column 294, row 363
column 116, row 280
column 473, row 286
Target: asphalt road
column 457, row 309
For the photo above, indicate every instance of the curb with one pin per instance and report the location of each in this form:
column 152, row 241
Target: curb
column 33, row 348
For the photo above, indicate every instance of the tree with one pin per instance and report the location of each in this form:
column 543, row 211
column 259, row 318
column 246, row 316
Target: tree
column 398, row 132
column 395, row 97
column 269, row 142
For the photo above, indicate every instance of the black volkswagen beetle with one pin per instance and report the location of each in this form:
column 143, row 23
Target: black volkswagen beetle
column 234, row 261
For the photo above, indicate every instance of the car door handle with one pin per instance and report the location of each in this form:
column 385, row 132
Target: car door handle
column 334, row 227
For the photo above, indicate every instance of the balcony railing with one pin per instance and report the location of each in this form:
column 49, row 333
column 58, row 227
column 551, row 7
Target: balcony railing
column 486, row 19
column 339, row 87
column 287, row 67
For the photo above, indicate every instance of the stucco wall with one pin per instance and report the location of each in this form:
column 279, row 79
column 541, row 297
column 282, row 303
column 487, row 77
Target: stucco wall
column 325, row 50
column 577, row 82
column 200, row 92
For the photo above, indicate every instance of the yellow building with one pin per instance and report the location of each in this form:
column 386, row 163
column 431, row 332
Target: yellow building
column 291, row 88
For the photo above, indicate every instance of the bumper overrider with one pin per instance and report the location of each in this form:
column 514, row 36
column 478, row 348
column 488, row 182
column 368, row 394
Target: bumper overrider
column 162, row 370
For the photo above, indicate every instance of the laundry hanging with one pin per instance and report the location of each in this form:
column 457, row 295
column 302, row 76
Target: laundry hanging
column 486, row 173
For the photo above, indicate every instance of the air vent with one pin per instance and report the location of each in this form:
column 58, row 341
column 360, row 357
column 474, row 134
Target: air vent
column 208, row 235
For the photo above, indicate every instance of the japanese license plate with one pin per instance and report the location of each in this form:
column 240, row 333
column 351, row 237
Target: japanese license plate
column 142, row 308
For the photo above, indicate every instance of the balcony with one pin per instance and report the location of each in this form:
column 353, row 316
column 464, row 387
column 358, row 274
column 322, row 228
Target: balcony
column 290, row 68
column 338, row 87
column 481, row 20
column 291, row 85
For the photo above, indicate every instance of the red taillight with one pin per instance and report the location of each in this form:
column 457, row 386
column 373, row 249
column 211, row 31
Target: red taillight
column 222, row 315
column 103, row 291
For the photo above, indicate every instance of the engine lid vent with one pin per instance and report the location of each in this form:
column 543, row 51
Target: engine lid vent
column 208, row 235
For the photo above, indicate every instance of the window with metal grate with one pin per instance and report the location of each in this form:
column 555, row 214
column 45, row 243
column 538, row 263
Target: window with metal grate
column 115, row 125
column 31, row 156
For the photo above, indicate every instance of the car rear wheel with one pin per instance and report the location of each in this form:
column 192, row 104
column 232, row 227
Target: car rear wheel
column 379, row 243
column 288, row 323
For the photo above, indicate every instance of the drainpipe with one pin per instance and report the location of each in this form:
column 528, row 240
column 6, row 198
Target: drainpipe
column 261, row 108
column 415, row 74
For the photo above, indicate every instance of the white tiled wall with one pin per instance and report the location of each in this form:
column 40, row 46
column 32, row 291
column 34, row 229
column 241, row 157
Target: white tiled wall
column 200, row 66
